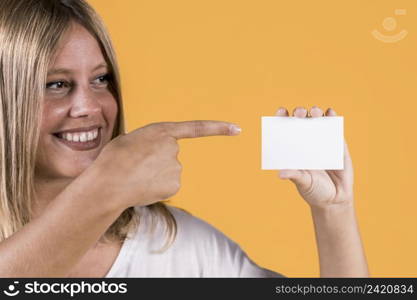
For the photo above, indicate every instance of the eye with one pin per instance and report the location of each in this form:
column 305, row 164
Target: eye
column 57, row 85
column 103, row 79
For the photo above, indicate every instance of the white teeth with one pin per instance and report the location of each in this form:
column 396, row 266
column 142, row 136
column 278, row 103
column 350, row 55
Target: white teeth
column 81, row 137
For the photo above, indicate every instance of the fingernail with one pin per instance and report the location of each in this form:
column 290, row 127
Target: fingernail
column 281, row 110
column 300, row 110
column 235, row 130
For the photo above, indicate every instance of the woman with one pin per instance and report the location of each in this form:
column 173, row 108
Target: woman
column 84, row 199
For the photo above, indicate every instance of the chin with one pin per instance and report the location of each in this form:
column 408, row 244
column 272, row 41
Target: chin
column 70, row 169
column 75, row 169
column 60, row 161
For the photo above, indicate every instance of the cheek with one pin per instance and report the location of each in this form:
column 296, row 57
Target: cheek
column 52, row 116
column 110, row 111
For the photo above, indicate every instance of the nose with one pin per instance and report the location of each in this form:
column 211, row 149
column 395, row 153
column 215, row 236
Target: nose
column 84, row 103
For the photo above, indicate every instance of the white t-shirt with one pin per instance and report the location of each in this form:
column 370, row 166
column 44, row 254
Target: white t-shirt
column 199, row 250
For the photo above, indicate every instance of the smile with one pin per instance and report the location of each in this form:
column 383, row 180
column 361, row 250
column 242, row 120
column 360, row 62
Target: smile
column 80, row 141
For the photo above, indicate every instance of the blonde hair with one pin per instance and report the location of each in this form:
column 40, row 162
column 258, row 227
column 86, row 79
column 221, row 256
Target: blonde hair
column 30, row 31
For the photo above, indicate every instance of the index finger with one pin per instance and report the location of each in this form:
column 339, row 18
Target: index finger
column 200, row 128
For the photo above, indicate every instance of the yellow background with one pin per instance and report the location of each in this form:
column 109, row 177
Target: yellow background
column 239, row 60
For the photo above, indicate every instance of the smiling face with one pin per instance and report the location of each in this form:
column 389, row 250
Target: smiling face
column 79, row 111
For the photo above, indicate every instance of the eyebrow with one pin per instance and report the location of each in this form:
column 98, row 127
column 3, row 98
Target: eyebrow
column 67, row 71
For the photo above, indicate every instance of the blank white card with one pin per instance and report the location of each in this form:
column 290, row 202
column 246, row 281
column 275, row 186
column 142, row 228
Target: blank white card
column 302, row 143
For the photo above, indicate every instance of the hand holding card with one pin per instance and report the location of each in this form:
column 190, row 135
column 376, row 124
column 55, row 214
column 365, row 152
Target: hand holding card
column 311, row 152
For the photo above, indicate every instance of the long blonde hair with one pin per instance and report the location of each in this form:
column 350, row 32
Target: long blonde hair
column 30, row 31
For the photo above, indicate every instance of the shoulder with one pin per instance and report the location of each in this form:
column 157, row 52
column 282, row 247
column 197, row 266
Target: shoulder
column 217, row 248
column 191, row 231
column 187, row 224
column 224, row 257
column 204, row 247
column 211, row 246
column 194, row 227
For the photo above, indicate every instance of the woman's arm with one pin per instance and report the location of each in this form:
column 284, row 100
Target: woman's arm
column 52, row 244
column 339, row 244
column 137, row 168
column 329, row 193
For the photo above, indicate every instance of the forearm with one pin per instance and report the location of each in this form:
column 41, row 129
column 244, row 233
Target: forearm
column 340, row 248
column 51, row 245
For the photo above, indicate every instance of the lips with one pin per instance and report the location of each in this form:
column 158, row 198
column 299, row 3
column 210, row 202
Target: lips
column 79, row 129
column 79, row 146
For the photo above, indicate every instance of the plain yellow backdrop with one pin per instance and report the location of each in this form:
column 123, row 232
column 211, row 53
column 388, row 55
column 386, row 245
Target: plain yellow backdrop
column 239, row 60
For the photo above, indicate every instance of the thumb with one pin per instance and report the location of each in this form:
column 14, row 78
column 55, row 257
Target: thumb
column 299, row 177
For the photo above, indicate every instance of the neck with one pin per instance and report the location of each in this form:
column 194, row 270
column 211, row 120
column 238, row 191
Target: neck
column 47, row 189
